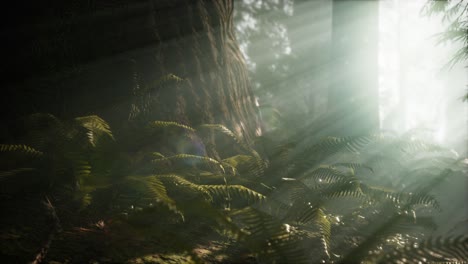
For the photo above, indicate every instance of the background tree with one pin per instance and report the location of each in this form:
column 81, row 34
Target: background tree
column 353, row 96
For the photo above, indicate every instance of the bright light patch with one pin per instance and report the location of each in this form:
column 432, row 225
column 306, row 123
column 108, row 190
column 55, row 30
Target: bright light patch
column 415, row 91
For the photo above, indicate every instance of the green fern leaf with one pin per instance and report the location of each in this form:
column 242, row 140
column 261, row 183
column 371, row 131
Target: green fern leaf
column 152, row 188
column 178, row 181
column 380, row 194
column 234, row 192
column 260, row 166
column 326, row 174
column 270, row 239
column 6, row 174
column 170, row 124
column 193, row 160
column 353, row 166
column 96, row 127
column 21, row 149
column 451, row 249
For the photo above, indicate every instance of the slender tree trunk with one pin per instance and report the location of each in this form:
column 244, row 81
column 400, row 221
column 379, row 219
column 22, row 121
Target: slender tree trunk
column 309, row 31
column 353, row 96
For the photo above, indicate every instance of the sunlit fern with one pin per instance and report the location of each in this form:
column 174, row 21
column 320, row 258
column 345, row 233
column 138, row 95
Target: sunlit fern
column 60, row 150
column 270, row 239
column 438, row 249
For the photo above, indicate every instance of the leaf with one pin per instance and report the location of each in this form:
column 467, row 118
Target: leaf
column 269, row 239
column 188, row 159
column 21, row 149
column 169, row 124
column 96, row 127
column 152, row 188
column 6, row 174
column 438, row 249
column 235, row 192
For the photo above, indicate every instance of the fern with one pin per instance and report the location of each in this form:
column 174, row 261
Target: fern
column 23, row 149
column 379, row 194
column 269, row 239
column 353, row 166
column 96, row 127
column 235, row 192
column 260, row 164
column 440, row 249
column 177, row 180
column 193, row 159
column 326, row 174
column 332, row 145
column 245, row 164
column 152, row 188
column 162, row 80
column 169, row 124
column 9, row 173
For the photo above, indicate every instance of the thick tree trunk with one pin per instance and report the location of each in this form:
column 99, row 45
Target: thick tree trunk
column 197, row 43
column 93, row 57
column 353, row 96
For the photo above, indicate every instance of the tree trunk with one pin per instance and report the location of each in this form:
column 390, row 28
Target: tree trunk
column 197, row 43
column 93, row 57
column 353, row 96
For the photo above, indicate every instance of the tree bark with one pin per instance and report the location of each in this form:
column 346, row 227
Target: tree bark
column 92, row 57
column 197, row 43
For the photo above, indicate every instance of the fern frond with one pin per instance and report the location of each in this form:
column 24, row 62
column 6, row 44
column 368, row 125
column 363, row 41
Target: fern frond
column 270, row 239
column 260, row 164
column 296, row 190
column 235, row 192
column 96, row 127
column 332, row 145
column 452, row 249
column 170, row 124
column 353, row 166
column 152, row 188
column 245, row 164
column 158, row 155
column 321, row 220
column 339, row 189
column 223, row 130
column 9, row 173
column 81, row 169
column 21, row 149
column 325, row 174
column 42, row 120
column 192, row 160
column 380, row 194
column 164, row 79
column 413, row 145
column 178, row 181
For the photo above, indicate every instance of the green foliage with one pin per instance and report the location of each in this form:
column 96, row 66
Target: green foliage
column 279, row 205
column 20, row 148
column 269, row 239
column 455, row 12
column 167, row 124
column 96, row 127
column 438, row 249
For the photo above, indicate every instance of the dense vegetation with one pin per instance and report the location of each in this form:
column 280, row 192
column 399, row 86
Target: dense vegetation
column 102, row 201
column 178, row 175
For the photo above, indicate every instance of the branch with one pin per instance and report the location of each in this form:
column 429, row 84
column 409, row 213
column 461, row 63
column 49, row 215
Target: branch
column 56, row 228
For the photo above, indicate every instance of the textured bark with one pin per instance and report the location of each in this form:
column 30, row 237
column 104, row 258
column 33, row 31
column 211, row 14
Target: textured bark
column 94, row 57
column 197, row 44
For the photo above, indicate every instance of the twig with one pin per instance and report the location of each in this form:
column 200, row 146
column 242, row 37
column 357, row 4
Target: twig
column 56, row 228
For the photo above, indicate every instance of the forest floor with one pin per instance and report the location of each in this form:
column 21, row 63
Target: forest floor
column 26, row 228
